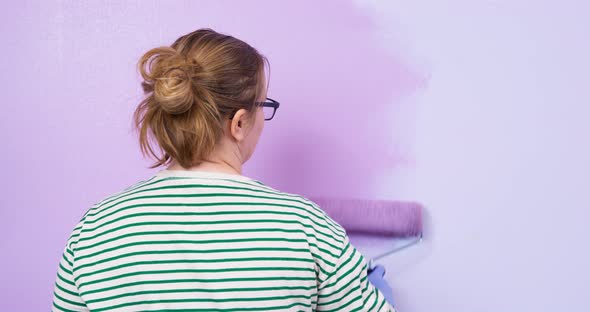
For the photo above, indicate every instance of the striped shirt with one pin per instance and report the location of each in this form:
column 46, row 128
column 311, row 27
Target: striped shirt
column 208, row 241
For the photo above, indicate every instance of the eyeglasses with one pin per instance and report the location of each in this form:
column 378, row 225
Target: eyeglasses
column 269, row 108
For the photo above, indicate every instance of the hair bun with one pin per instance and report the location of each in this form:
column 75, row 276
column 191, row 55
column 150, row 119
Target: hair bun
column 168, row 79
column 173, row 90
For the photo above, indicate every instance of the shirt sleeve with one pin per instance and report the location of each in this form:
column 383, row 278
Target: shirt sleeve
column 347, row 288
column 66, row 296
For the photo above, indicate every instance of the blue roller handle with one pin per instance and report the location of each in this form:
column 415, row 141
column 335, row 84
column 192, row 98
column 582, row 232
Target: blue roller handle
column 375, row 276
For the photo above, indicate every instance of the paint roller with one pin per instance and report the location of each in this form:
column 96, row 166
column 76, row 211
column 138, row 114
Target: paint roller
column 384, row 218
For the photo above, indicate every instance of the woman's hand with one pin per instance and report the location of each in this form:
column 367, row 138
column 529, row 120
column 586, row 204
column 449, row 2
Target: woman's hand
column 375, row 276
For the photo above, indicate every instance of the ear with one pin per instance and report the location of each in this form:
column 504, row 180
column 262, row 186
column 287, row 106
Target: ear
column 237, row 126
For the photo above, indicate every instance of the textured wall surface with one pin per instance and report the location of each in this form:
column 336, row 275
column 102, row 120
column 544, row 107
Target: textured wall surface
column 477, row 110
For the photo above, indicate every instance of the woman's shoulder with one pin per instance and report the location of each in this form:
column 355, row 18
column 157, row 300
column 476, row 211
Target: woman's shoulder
column 312, row 210
column 197, row 186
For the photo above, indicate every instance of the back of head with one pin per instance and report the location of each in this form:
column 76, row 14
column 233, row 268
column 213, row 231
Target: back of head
column 190, row 89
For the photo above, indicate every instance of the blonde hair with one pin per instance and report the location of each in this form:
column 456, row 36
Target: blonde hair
column 190, row 89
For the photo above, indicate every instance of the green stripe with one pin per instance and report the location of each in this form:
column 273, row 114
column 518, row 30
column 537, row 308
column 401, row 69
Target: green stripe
column 135, row 284
column 332, row 227
column 206, row 222
column 365, row 277
column 197, row 223
column 366, row 282
column 298, row 231
column 320, row 268
column 175, row 271
column 343, row 276
column 353, row 299
column 339, row 290
column 69, row 292
column 223, row 290
column 196, row 242
column 205, row 242
column 357, row 287
column 376, row 300
column 69, row 301
column 382, row 304
column 194, row 280
column 335, row 269
column 223, row 310
column 152, row 252
column 130, row 192
column 205, row 195
column 64, row 269
column 177, row 178
column 70, row 252
column 143, row 205
column 216, row 300
column 65, row 280
column 227, row 231
column 366, row 299
column 66, row 260
column 123, row 192
column 159, row 262
column 61, row 308
column 302, row 201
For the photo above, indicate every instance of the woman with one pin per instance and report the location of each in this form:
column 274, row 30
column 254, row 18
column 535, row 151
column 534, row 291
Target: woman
column 200, row 236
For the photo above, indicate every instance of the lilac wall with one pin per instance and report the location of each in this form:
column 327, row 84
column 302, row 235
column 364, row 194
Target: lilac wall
column 502, row 154
column 479, row 111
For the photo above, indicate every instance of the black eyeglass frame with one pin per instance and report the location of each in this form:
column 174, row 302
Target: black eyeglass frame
column 268, row 103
